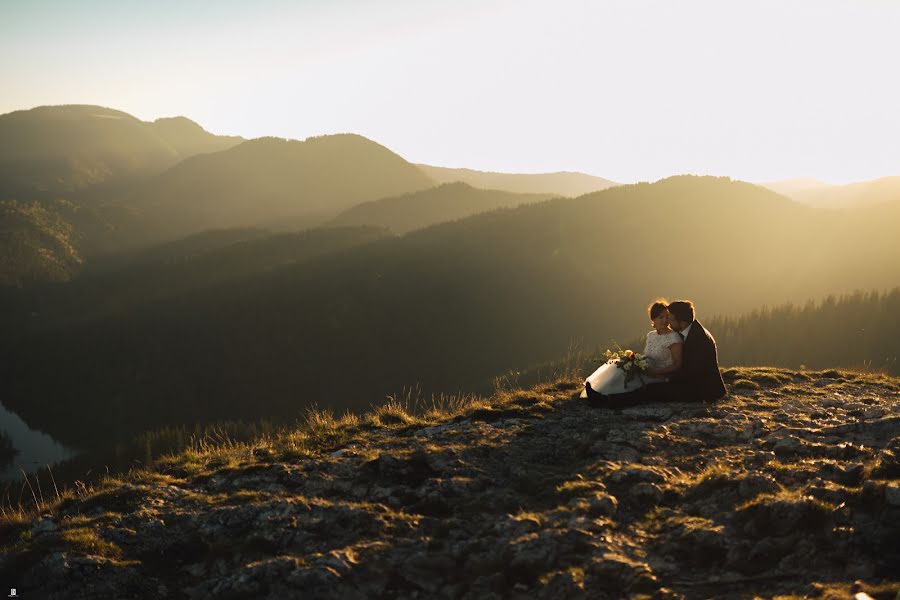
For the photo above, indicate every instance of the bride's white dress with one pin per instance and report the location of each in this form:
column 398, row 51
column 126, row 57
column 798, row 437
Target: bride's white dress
column 610, row 379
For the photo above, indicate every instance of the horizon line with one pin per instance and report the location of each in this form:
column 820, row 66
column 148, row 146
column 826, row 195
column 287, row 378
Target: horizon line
column 615, row 181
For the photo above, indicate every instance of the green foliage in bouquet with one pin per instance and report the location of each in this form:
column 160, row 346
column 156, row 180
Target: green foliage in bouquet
column 632, row 363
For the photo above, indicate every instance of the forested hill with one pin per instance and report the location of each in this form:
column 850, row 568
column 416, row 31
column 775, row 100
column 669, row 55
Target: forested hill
column 856, row 330
column 272, row 182
column 198, row 263
column 445, row 202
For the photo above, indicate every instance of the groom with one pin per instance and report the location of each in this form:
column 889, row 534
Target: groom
column 698, row 379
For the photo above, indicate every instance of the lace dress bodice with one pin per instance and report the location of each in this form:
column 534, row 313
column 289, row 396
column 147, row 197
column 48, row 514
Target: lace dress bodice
column 657, row 348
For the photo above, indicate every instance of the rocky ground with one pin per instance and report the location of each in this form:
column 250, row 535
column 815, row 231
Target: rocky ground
column 790, row 487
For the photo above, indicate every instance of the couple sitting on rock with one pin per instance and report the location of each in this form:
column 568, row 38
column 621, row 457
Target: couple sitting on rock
column 682, row 364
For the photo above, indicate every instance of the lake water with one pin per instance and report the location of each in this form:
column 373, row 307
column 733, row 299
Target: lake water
column 36, row 449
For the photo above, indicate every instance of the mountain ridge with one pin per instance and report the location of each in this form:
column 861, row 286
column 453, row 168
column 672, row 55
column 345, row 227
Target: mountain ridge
column 883, row 190
column 419, row 209
column 72, row 148
column 267, row 181
column 560, row 183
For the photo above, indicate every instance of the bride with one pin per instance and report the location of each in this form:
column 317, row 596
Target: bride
column 663, row 351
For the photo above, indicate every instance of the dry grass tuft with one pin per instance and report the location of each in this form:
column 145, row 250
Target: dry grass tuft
column 391, row 413
column 530, row 517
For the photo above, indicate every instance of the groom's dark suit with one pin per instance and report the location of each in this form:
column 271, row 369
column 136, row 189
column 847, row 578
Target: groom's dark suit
column 698, row 379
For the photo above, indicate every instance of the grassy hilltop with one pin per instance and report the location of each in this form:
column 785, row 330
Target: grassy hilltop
column 789, row 487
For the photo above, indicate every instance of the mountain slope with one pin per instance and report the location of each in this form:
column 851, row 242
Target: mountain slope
column 788, row 487
column 789, row 187
column 863, row 193
column 272, row 182
column 188, row 138
column 174, row 251
column 563, row 183
column 36, row 243
column 446, row 202
column 194, row 264
column 51, row 150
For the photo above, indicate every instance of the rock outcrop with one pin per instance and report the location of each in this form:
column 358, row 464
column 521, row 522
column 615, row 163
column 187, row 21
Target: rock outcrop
column 790, row 485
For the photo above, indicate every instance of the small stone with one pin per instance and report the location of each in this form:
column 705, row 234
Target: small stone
column 892, row 493
column 860, row 571
column 873, row 413
column 627, row 454
column 646, row 492
column 617, row 435
column 786, row 446
column 648, row 413
column 754, row 485
column 603, row 504
column 45, row 525
column 196, row 570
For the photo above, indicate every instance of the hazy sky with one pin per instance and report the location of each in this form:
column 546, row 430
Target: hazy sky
column 630, row 90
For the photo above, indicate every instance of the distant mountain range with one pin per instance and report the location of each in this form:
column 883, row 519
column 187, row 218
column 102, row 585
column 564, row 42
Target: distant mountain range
column 566, row 183
column 78, row 182
column 827, row 195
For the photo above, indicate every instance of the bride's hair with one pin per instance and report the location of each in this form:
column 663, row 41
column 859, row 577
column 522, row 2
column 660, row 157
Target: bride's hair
column 657, row 307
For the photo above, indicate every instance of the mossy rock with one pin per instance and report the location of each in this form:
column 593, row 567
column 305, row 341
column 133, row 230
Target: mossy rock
column 730, row 375
column 778, row 516
column 831, row 374
column 121, row 500
column 745, row 384
column 769, row 379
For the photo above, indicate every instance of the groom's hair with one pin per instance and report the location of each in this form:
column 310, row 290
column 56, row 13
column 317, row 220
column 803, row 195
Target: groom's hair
column 683, row 310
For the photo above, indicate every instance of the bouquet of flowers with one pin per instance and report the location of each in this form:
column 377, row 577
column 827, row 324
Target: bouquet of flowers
column 632, row 363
